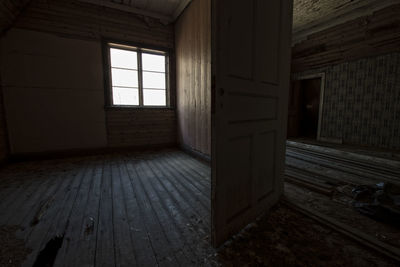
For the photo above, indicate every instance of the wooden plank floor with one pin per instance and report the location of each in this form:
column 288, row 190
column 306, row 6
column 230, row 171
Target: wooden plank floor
column 149, row 209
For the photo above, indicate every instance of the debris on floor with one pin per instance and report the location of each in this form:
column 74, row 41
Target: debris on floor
column 342, row 201
column 285, row 237
column 12, row 250
column 380, row 202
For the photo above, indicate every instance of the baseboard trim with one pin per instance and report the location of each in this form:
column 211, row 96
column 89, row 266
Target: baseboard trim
column 195, row 153
column 331, row 140
column 59, row 154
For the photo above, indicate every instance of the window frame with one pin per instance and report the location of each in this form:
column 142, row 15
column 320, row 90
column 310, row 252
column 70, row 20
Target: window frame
column 139, row 49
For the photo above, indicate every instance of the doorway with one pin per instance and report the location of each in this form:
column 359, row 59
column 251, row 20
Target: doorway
column 305, row 107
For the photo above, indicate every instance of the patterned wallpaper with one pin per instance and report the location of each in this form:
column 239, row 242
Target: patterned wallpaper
column 362, row 101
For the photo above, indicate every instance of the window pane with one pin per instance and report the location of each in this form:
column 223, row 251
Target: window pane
column 125, row 96
column 154, row 97
column 153, row 80
column 123, row 58
column 128, row 78
column 153, row 62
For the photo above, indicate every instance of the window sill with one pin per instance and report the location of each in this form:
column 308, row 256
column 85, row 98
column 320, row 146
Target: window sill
column 136, row 107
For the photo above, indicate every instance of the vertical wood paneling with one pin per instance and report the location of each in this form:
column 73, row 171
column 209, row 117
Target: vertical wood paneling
column 193, row 61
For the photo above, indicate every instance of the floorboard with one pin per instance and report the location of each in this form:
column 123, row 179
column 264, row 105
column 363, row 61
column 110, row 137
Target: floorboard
column 127, row 209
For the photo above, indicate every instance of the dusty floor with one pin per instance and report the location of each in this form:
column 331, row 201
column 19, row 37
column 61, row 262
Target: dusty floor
column 283, row 237
column 330, row 205
column 286, row 238
column 12, row 250
column 364, row 150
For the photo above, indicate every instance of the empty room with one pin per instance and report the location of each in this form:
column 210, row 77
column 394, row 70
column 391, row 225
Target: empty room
column 199, row 133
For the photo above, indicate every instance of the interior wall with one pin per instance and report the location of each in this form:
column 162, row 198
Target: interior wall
column 53, row 82
column 3, row 126
column 141, row 127
column 193, row 62
column 361, row 62
column 360, row 104
column 53, row 92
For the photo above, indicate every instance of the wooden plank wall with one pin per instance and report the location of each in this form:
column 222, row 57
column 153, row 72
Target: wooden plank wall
column 193, row 60
column 366, row 36
column 141, row 127
column 81, row 21
column 9, row 11
column 53, row 92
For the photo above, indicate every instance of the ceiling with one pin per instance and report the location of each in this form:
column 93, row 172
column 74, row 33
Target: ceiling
column 306, row 11
column 165, row 10
column 308, row 15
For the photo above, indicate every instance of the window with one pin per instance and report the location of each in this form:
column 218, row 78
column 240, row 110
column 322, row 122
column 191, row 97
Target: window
column 138, row 76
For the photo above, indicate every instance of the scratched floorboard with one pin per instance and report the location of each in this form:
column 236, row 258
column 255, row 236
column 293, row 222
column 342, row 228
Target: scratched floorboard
column 130, row 209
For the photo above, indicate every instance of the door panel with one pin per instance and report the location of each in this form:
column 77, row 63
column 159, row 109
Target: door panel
column 266, row 162
column 268, row 48
column 250, row 66
column 240, row 53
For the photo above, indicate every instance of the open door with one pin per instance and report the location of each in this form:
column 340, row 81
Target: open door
column 310, row 98
column 250, row 66
column 294, row 108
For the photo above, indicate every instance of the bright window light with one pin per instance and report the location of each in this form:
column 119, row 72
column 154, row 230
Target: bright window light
column 153, row 97
column 123, row 58
column 138, row 78
column 153, row 62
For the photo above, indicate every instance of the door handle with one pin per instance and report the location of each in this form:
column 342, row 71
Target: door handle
column 221, row 91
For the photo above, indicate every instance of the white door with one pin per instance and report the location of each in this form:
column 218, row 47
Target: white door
column 250, row 65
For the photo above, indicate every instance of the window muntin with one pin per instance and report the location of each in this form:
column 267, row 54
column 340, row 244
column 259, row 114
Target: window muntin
column 138, row 77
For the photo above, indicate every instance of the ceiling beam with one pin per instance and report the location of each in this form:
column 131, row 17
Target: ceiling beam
column 182, row 5
column 164, row 19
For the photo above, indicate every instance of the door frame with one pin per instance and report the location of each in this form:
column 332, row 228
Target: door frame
column 321, row 96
